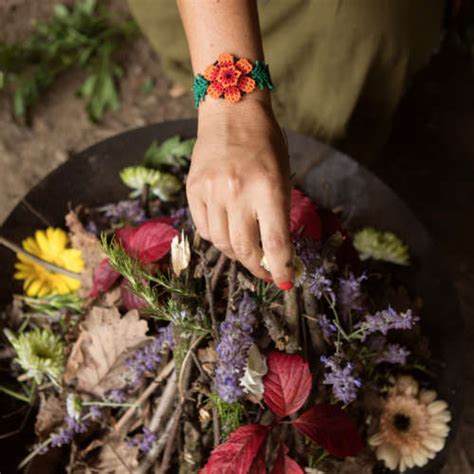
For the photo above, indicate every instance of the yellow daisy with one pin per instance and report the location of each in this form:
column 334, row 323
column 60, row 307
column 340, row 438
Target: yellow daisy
column 49, row 245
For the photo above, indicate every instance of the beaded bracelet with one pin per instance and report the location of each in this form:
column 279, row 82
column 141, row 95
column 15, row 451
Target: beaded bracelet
column 230, row 78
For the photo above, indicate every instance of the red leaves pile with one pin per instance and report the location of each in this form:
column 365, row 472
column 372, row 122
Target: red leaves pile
column 148, row 243
column 287, row 386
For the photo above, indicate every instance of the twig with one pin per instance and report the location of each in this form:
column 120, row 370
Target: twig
column 292, row 320
column 217, row 270
column 170, row 444
column 185, row 368
column 216, row 425
column 232, row 279
column 210, row 302
column 310, row 314
column 166, row 401
column 145, row 199
column 276, row 328
column 48, row 265
column 163, row 375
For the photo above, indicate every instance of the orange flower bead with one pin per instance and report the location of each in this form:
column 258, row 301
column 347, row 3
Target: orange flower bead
column 228, row 76
column 211, row 73
column 225, row 59
column 232, row 94
column 246, row 84
column 215, row 89
column 244, row 65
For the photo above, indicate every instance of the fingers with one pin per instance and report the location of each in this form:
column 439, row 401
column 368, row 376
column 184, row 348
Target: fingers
column 219, row 229
column 245, row 241
column 276, row 242
column 199, row 216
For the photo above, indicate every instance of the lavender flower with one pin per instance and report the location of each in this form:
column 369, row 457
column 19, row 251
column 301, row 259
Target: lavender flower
column 117, row 395
column 385, row 320
column 344, row 384
column 129, row 211
column 148, row 359
column 320, row 285
column 394, row 354
column 326, row 325
column 307, row 250
column 144, row 441
column 95, row 412
column 349, row 296
column 66, row 434
column 236, row 339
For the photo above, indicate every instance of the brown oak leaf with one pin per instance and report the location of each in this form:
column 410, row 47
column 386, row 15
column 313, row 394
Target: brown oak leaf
column 90, row 247
column 117, row 458
column 98, row 355
column 51, row 413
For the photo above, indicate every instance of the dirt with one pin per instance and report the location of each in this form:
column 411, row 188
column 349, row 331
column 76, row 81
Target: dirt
column 429, row 159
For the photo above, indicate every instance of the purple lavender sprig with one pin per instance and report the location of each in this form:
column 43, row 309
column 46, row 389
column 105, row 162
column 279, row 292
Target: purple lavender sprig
column 148, row 359
column 128, row 211
column 66, row 434
column 236, row 339
column 394, row 354
column 385, row 320
column 327, row 326
column 349, row 294
column 341, row 377
column 144, row 441
column 321, row 286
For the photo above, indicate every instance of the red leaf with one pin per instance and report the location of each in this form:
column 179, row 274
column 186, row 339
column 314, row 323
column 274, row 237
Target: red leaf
column 331, row 428
column 241, row 453
column 104, row 278
column 150, row 241
column 284, row 464
column 304, row 218
column 287, row 383
column 130, row 300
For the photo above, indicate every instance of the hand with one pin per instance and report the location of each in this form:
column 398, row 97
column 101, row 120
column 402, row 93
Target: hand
column 238, row 186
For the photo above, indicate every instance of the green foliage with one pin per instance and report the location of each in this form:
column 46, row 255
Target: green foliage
column 83, row 37
column 160, row 184
column 230, row 414
column 172, row 152
column 152, row 287
column 51, row 305
column 379, row 245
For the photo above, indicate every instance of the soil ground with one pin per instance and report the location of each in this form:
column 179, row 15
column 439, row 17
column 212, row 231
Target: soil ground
column 429, row 159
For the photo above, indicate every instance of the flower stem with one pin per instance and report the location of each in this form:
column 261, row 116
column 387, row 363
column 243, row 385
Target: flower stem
column 48, row 265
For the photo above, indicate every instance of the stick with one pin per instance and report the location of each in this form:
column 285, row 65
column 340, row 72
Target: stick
column 292, row 320
column 166, row 401
column 216, row 425
column 276, row 328
column 315, row 331
column 185, row 368
column 48, row 265
column 232, row 278
column 210, row 302
column 145, row 395
column 170, row 444
column 217, row 271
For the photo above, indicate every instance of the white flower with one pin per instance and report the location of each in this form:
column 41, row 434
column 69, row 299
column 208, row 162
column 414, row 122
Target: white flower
column 180, row 253
column 298, row 267
column 255, row 370
column 74, row 406
column 413, row 427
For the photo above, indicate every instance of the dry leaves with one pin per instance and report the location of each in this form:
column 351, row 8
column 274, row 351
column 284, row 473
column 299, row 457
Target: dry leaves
column 90, row 247
column 51, row 413
column 117, row 458
column 105, row 341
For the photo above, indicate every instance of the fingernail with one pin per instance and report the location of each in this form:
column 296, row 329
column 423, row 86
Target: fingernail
column 286, row 285
column 268, row 280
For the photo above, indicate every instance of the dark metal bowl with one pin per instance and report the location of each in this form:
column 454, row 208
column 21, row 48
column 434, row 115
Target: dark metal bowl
column 329, row 177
